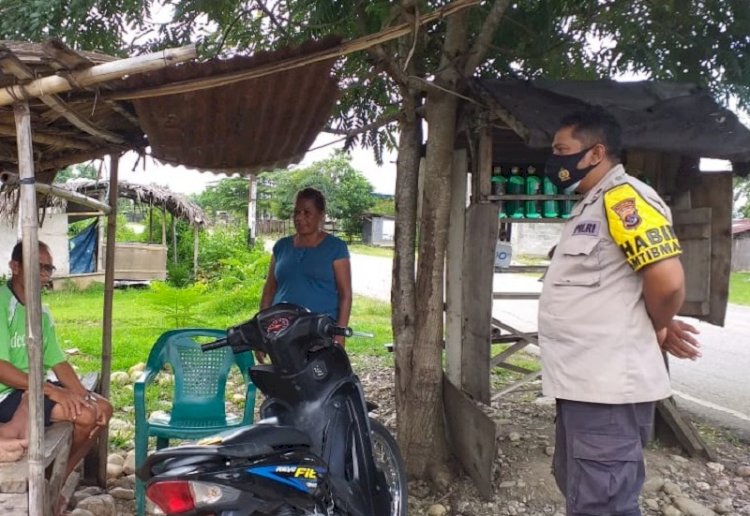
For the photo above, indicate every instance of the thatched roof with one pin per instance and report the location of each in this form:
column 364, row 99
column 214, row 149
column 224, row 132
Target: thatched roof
column 667, row 117
column 151, row 195
column 226, row 124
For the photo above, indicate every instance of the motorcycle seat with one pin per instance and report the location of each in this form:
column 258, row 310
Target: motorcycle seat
column 262, row 438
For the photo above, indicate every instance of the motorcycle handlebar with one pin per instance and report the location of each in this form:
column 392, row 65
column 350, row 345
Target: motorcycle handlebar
column 340, row 330
column 215, row 344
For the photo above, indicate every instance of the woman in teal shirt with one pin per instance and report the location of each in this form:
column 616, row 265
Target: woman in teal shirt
column 311, row 268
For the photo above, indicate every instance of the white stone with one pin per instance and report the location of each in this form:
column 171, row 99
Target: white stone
column 100, row 505
column 549, row 451
column 116, row 424
column 507, row 484
column 715, row 467
column 679, row 458
column 115, row 458
column 653, row 485
column 724, row 506
column 743, row 471
column 129, row 466
column 652, row 504
column 437, row 510
column 703, row 486
column 139, row 367
column 671, row 488
column 691, row 507
column 119, row 378
column 113, row 470
column 80, row 512
column 670, row 510
column 122, row 494
column 72, row 351
column 514, row 436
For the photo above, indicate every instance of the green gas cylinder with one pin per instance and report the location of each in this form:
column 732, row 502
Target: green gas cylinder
column 498, row 188
column 533, row 187
column 516, row 184
column 550, row 210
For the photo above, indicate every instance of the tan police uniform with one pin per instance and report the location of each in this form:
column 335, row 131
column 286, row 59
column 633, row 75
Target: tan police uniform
column 597, row 341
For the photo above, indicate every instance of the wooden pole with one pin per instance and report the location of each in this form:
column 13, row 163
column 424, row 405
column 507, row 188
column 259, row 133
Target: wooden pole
column 109, row 290
column 150, row 220
column 195, row 251
column 164, row 226
column 66, row 194
column 97, row 74
column 29, row 231
column 252, row 229
column 174, row 239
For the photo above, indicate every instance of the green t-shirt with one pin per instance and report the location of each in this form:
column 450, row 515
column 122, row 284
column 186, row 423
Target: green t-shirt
column 13, row 336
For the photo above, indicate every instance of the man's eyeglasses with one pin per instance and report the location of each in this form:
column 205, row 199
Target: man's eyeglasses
column 46, row 267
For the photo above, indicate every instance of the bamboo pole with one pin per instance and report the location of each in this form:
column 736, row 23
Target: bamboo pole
column 343, row 49
column 109, row 289
column 96, row 74
column 195, row 251
column 66, row 194
column 30, row 238
column 49, row 139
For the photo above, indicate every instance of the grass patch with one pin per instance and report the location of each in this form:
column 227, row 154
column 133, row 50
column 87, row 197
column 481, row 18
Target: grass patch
column 370, row 250
column 739, row 288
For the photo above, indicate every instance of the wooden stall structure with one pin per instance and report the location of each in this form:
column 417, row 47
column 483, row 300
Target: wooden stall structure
column 667, row 128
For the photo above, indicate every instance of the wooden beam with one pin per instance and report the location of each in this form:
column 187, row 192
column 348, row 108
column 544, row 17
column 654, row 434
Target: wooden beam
column 97, row 74
column 454, row 268
column 11, row 65
column 341, row 50
column 68, row 195
column 33, row 304
column 49, row 139
column 109, row 288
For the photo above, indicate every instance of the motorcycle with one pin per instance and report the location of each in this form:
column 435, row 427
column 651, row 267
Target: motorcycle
column 315, row 451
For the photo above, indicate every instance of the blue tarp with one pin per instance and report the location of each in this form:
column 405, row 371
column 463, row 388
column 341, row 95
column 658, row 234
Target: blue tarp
column 83, row 249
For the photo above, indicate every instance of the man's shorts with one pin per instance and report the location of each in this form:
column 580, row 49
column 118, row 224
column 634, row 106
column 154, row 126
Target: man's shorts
column 598, row 462
column 10, row 404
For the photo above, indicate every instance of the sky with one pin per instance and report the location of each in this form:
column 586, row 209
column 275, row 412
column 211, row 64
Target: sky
column 189, row 181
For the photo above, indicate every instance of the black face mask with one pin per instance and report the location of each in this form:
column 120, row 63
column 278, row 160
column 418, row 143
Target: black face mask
column 562, row 169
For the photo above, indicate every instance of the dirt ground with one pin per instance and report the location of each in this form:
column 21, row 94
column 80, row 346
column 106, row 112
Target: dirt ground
column 676, row 484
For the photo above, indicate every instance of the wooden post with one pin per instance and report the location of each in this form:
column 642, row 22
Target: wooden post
column 478, row 273
column 174, row 239
column 454, row 268
column 150, row 220
column 252, row 210
column 164, row 225
column 30, row 228
column 195, row 251
column 109, row 290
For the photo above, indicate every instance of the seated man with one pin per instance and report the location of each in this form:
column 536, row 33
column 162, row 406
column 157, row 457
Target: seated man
column 65, row 400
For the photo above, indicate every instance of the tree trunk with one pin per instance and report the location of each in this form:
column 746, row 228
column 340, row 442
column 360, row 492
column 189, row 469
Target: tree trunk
column 419, row 369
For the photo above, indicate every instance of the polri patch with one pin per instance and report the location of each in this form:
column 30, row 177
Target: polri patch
column 587, row 227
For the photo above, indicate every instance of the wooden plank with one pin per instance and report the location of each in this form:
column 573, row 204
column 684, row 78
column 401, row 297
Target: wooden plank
column 515, row 368
column 715, row 192
column 515, row 348
column 681, row 429
column 691, row 225
column 29, row 232
column 471, row 434
column 454, row 263
column 476, row 304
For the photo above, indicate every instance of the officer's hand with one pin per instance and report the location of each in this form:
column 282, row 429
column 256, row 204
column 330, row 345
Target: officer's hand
column 679, row 341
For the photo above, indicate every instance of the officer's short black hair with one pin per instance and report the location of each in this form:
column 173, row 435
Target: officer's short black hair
column 596, row 125
column 17, row 254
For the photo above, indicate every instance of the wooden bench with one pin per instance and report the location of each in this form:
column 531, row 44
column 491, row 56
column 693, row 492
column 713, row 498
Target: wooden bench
column 14, row 476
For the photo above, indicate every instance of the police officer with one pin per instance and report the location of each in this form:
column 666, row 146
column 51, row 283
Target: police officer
column 606, row 312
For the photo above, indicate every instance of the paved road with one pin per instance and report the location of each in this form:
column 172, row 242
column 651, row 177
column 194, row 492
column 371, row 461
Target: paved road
column 717, row 386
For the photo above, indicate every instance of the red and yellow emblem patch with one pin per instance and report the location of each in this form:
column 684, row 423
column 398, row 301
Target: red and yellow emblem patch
column 643, row 232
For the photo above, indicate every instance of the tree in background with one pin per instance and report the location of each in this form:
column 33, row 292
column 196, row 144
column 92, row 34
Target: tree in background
column 742, row 197
column 86, row 171
column 229, row 195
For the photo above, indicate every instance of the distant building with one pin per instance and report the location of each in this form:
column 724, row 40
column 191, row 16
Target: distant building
column 741, row 245
column 378, row 230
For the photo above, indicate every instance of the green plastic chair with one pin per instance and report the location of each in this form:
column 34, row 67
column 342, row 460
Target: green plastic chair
column 198, row 408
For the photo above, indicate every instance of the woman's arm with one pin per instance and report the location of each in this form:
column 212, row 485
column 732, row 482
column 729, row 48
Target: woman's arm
column 269, row 289
column 343, row 273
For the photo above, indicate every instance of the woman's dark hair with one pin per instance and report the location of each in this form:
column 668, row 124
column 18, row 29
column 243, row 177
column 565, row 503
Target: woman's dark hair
column 595, row 125
column 314, row 195
column 17, row 254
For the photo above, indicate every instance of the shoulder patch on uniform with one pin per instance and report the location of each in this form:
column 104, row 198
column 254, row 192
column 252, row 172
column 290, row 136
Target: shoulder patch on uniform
column 643, row 232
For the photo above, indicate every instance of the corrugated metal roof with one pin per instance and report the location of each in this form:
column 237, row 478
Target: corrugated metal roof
column 740, row 226
column 244, row 126
column 666, row 117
